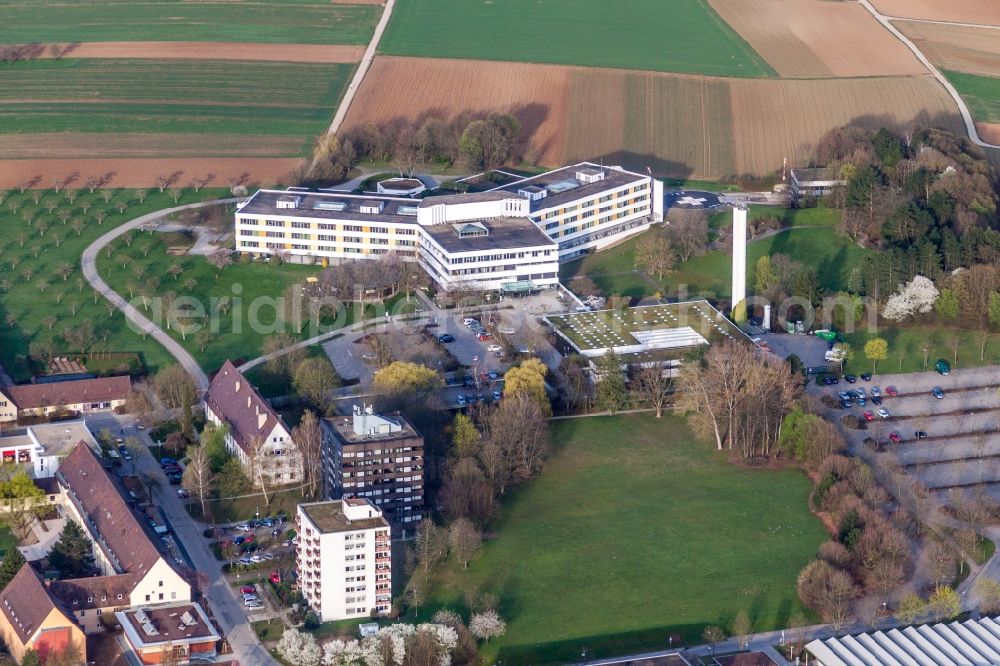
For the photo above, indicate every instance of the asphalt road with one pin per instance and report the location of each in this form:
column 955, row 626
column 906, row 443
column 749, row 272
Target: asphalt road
column 227, row 609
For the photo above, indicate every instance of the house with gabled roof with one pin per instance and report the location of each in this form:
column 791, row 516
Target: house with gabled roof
column 33, row 619
column 257, row 435
column 79, row 396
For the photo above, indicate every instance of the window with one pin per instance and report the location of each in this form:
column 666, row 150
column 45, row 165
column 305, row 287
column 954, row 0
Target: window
column 90, row 600
column 161, row 596
column 147, row 597
column 161, row 584
column 119, row 595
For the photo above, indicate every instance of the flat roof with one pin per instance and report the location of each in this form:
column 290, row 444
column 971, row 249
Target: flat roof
column 264, row 202
column 504, row 233
column 815, row 174
column 329, row 518
column 343, row 426
column 181, row 624
column 613, row 178
column 59, row 439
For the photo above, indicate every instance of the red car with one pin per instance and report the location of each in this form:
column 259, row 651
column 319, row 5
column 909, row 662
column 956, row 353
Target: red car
column 869, row 415
column 275, row 578
column 248, row 589
column 894, row 437
column 249, row 538
column 483, row 337
column 891, row 391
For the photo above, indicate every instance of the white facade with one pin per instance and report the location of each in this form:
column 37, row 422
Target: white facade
column 739, row 288
column 344, row 559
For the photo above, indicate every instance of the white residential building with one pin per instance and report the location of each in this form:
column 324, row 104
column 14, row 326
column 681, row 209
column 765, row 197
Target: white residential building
column 512, row 235
column 344, row 559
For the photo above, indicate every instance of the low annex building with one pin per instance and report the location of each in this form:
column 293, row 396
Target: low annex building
column 344, row 559
column 45, row 446
column 183, row 630
column 33, row 619
column 257, row 434
column 814, row 182
column 377, row 457
column 512, row 234
column 79, row 395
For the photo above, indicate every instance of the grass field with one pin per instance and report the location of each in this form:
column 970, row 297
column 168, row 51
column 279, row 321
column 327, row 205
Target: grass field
column 906, row 346
column 269, row 21
column 634, row 532
column 981, row 93
column 36, row 292
column 170, row 96
column 663, row 35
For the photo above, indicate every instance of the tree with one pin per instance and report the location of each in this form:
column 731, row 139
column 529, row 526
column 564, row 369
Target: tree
column 308, row 437
column 430, row 544
column 31, row 658
column 528, row 379
column 487, row 625
column 916, row 296
column 827, row 590
column 688, row 232
column 213, row 440
column 282, row 365
column 299, row 648
column 945, row 604
column 947, row 305
column 232, row 480
column 174, row 386
column 911, row 608
column 314, row 378
column 13, row 560
column 987, row 589
column 257, row 463
column 612, row 394
column 764, row 275
column 465, row 438
column 21, row 503
column 876, row 349
column 653, row 386
column 655, row 254
column 713, row 635
column 741, row 628
column 403, row 377
column 516, row 441
column 463, row 540
column 198, row 478
column 70, row 554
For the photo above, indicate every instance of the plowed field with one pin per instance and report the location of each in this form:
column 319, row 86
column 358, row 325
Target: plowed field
column 957, row 47
column 816, row 38
column 324, row 53
column 962, row 11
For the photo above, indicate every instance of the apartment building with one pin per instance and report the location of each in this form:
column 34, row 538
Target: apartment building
column 514, row 234
column 79, row 395
column 379, row 458
column 344, row 558
column 255, row 430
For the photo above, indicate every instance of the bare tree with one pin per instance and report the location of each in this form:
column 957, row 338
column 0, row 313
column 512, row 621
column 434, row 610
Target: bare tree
column 652, row 386
column 308, row 438
column 257, row 454
column 198, row 478
column 464, row 540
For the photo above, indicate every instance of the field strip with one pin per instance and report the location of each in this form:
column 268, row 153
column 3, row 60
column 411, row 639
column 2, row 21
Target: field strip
column 958, row 11
column 142, row 172
column 956, row 47
column 970, row 125
column 83, row 145
column 315, row 53
column 984, row 26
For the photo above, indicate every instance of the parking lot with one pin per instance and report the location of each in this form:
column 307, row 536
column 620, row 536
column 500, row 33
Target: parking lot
column 962, row 444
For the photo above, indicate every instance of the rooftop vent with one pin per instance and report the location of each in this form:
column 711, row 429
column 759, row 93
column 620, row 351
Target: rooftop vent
column 532, row 192
column 288, row 202
column 589, row 175
column 372, row 207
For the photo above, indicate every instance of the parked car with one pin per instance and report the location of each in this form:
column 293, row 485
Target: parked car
column 256, row 559
column 883, row 413
column 254, row 605
column 494, row 348
column 828, row 381
column 484, row 336
column 167, row 461
column 497, row 395
column 175, row 479
column 861, row 393
column 446, row 338
column 862, row 402
column 250, row 538
column 493, row 374
column 245, row 561
column 183, row 494
column 275, row 532
column 894, row 437
column 876, row 392
column 850, row 379
column 920, row 434
column 869, row 415
column 469, row 321
column 248, row 589
column 267, row 522
column 250, row 596
column 877, row 400
column 845, row 404
column 943, row 367
column 937, row 393
column 275, row 578
column 461, row 399
column 891, row 391
column 268, row 556
column 239, row 540
column 242, row 527
column 866, row 376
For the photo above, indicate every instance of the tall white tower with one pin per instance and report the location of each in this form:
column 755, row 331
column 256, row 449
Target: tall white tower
column 739, row 300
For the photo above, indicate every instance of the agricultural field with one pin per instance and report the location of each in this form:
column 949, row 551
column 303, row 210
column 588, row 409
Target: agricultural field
column 981, row 93
column 694, row 541
column 681, row 126
column 960, row 11
column 34, row 288
column 957, row 48
column 680, row 36
column 817, row 38
column 269, row 21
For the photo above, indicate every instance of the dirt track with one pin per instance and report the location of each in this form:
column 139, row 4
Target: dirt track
column 962, row 11
column 143, row 172
column 956, row 47
column 815, row 38
column 319, row 53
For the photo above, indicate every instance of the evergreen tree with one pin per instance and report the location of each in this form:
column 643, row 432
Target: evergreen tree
column 13, row 560
column 70, row 554
column 611, row 392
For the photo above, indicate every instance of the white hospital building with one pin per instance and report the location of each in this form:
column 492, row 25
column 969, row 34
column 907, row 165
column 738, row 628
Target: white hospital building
column 513, row 234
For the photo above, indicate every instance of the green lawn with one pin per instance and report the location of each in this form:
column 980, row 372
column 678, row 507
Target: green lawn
column 7, row 540
column 708, row 276
column 910, row 341
column 171, row 96
column 269, row 21
column 634, row 532
column 981, row 93
column 26, row 307
column 662, row 35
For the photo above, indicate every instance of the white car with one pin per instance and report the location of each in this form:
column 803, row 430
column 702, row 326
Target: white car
column 494, row 348
column 254, row 605
column 247, row 598
column 242, row 528
column 256, row 559
column 884, row 413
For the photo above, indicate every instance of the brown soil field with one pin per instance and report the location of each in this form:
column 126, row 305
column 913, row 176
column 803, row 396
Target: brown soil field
column 411, row 88
column 83, row 145
column 319, row 53
column 818, row 38
column 679, row 125
column 986, row 12
column 777, row 119
column 143, row 172
column 989, row 132
column 957, row 47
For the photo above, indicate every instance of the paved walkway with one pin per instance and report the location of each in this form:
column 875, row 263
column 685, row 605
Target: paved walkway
column 88, row 264
column 970, row 124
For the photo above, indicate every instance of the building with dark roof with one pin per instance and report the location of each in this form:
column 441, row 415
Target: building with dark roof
column 80, row 396
column 479, row 239
column 379, row 458
column 257, row 435
column 183, row 629
column 33, row 619
column 815, row 182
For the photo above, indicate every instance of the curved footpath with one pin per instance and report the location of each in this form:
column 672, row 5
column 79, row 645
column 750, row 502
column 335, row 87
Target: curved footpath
column 88, row 264
column 970, row 123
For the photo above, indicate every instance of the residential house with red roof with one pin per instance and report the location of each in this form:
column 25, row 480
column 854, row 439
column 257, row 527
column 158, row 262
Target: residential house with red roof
column 33, row 619
column 80, row 396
